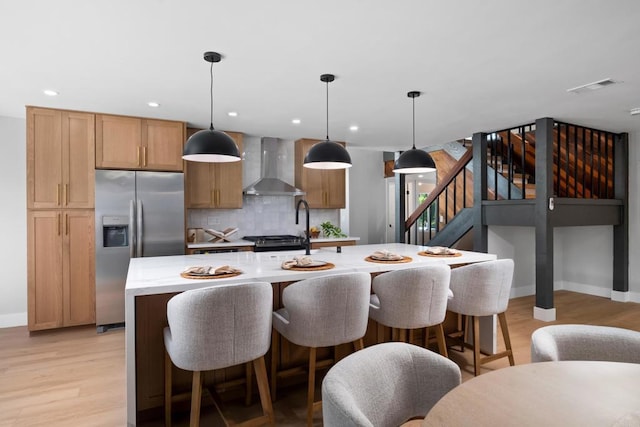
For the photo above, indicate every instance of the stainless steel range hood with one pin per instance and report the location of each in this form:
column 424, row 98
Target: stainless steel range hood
column 269, row 184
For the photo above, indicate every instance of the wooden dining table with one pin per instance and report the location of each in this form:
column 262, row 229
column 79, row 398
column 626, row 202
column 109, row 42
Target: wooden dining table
column 567, row 393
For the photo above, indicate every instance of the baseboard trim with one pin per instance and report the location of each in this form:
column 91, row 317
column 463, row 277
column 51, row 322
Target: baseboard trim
column 13, row 320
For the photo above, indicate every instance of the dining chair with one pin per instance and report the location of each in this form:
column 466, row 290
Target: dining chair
column 319, row 312
column 585, row 342
column 219, row 327
column 386, row 384
column 483, row 289
column 412, row 299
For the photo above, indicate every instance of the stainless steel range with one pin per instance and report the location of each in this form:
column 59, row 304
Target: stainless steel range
column 285, row 242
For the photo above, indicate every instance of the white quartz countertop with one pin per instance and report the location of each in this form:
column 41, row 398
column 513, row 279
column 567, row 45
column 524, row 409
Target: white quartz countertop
column 241, row 242
column 232, row 244
column 157, row 275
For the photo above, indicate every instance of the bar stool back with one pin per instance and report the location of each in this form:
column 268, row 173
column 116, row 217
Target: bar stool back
column 321, row 312
column 412, row 299
column 483, row 289
column 218, row 327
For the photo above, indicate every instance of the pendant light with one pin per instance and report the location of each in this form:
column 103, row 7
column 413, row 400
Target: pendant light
column 327, row 154
column 414, row 160
column 211, row 145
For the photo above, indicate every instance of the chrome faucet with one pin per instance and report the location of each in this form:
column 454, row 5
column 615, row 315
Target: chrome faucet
column 307, row 240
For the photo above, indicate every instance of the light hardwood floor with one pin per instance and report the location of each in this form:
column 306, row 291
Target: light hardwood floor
column 75, row 377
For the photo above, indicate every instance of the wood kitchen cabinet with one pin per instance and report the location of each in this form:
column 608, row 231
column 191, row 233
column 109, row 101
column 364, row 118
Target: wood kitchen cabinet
column 214, row 185
column 324, row 188
column 60, row 159
column 138, row 144
column 60, row 268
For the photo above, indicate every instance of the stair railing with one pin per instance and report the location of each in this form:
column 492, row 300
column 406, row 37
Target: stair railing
column 445, row 201
column 583, row 162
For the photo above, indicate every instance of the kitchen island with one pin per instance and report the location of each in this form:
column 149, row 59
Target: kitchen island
column 151, row 282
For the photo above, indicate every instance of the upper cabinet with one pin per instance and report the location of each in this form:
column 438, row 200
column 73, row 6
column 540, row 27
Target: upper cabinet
column 214, row 185
column 325, row 188
column 139, row 144
column 60, row 159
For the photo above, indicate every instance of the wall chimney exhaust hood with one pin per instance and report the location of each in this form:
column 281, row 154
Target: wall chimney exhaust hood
column 269, row 184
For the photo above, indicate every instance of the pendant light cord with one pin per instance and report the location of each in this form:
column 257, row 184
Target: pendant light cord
column 327, row 110
column 414, row 123
column 211, row 95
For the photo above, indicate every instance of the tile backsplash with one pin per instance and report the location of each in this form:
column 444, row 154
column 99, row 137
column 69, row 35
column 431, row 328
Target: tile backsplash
column 261, row 215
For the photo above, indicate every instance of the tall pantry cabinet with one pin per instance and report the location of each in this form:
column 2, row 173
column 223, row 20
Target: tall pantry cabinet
column 60, row 218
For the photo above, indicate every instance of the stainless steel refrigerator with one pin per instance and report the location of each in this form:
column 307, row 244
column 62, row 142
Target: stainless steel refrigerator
column 138, row 214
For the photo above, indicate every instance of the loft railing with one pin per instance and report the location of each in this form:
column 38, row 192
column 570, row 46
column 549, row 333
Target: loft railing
column 583, row 162
column 452, row 194
column 511, row 162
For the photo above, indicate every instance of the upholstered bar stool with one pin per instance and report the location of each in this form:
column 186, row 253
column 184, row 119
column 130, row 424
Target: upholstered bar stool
column 215, row 328
column 412, row 299
column 321, row 312
column 386, row 385
column 483, row 289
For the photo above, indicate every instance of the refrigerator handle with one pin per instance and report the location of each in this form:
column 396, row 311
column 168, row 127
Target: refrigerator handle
column 139, row 229
column 132, row 229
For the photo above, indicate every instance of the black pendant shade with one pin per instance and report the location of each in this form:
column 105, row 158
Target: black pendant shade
column 414, row 160
column 327, row 154
column 212, row 146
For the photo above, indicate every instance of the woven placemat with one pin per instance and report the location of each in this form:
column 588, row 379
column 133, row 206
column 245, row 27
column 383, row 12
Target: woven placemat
column 423, row 253
column 210, row 276
column 390, row 261
column 327, row 266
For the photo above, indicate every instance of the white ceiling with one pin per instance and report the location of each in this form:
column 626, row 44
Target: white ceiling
column 481, row 65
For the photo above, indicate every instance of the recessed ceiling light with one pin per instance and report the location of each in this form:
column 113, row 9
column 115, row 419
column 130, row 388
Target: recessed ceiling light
column 153, row 104
column 295, row 121
column 232, row 114
column 50, row 92
column 634, row 111
column 592, row 86
column 353, row 128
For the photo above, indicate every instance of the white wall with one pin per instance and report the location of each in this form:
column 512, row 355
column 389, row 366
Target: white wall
column 367, row 196
column 13, row 250
column 517, row 243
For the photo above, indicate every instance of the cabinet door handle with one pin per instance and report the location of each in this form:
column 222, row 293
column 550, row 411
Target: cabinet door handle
column 66, row 225
column 138, row 159
column 58, row 189
column 144, row 156
column 65, row 194
column 59, row 223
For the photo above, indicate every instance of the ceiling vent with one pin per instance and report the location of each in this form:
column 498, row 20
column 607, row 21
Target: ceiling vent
column 592, row 86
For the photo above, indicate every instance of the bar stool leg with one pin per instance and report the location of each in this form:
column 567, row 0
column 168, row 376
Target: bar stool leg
column 502, row 317
column 196, row 398
column 442, row 343
column 275, row 348
column 249, row 383
column 167, row 389
column 312, row 385
column 476, row 345
column 263, row 388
